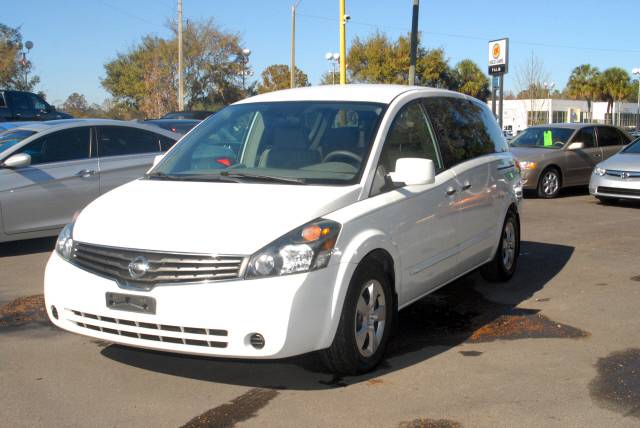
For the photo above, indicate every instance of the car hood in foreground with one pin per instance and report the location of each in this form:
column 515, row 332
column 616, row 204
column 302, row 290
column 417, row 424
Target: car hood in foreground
column 535, row 154
column 197, row 217
column 622, row 162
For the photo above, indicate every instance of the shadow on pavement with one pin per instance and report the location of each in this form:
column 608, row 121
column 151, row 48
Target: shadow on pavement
column 467, row 310
column 28, row 246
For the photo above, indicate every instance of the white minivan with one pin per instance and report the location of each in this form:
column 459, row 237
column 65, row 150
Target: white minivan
column 294, row 221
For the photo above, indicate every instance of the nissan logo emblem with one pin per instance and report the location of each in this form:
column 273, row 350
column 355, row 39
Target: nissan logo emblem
column 138, row 267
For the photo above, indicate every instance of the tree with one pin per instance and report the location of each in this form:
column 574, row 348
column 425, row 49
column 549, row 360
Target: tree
column 530, row 78
column 145, row 78
column 471, row 80
column 616, row 85
column 278, row 76
column 13, row 70
column 329, row 78
column 584, row 83
column 377, row 59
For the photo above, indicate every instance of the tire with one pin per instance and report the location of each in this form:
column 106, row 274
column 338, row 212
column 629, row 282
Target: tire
column 606, row 200
column 549, row 183
column 353, row 354
column 504, row 263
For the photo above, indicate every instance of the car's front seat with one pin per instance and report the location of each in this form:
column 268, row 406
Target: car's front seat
column 289, row 150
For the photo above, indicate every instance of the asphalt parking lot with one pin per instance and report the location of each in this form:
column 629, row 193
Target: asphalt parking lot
column 556, row 346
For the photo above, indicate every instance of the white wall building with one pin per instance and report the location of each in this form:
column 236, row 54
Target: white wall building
column 517, row 114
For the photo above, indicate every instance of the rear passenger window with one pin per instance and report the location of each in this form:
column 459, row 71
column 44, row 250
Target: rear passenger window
column 115, row 141
column 461, row 130
column 67, row 145
column 166, row 143
column 608, row 136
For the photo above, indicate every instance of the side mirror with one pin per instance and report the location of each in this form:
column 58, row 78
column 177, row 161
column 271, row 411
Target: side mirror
column 414, row 171
column 20, row 160
column 157, row 159
column 575, row 146
column 51, row 107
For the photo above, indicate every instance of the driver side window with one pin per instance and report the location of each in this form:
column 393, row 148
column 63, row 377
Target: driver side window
column 410, row 136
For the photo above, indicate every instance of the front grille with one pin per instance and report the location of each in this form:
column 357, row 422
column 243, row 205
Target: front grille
column 619, row 191
column 163, row 268
column 195, row 336
column 626, row 174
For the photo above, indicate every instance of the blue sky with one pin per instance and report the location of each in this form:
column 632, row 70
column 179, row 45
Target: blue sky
column 74, row 38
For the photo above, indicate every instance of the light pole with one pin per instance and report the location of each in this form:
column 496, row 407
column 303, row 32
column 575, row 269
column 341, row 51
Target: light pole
column 549, row 87
column 292, row 68
column 25, row 63
column 245, row 59
column 343, row 43
column 333, row 58
column 636, row 73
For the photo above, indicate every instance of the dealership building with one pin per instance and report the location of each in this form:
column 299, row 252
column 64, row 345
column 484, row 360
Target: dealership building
column 517, row 114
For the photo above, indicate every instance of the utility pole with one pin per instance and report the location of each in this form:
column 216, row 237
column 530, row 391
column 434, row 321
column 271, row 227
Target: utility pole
column 180, row 79
column 292, row 68
column 414, row 43
column 343, row 44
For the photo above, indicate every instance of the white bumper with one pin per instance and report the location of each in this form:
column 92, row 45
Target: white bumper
column 614, row 187
column 293, row 313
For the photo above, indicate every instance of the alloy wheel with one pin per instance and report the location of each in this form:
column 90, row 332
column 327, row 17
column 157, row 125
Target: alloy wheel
column 370, row 318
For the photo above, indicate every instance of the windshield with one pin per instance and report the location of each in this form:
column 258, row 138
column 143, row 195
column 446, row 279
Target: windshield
column 12, row 137
column 309, row 142
column 542, row 137
column 633, row 147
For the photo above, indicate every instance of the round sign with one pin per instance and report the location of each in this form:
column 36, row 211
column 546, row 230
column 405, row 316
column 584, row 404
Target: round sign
column 495, row 51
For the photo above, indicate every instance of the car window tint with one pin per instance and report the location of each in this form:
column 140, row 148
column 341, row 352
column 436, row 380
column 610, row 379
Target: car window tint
column 585, row 136
column 460, row 129
column 20, row 101
column 608, row 136
column 166, row 143
column 2, row 103
column 122, row 140
column 624, row 138
column 66, row 145
column 493, row 129
column 37, row 102
column 410, row 136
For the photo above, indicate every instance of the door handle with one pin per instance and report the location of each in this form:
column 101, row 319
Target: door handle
column 596, row 155
column 466, row 185
column 85, row 173
column 451, row 191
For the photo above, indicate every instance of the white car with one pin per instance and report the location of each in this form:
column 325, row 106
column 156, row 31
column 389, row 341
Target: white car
column 619, row 176
column 294, row 221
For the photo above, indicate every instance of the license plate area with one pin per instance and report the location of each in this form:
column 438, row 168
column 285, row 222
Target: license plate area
column 131, row 303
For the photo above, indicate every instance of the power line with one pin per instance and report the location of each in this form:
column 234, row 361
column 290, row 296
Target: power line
column 123, row 11
column 482, row 38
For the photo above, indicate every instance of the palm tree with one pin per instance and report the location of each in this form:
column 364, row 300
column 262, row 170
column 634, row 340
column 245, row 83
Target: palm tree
column 584, row 84
column 616, row 85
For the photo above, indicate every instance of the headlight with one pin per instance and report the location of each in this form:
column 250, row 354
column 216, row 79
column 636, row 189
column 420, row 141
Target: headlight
column 64, row 245
column 599, row 171
column 304, row 249
column 528, row 165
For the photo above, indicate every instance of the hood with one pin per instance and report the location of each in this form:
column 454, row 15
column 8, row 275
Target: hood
column 535, row 154
column 622, row 162
column 212, row 218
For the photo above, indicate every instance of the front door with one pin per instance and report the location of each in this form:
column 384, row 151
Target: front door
column 61, row 180
column 579, row 163
column 421, row 217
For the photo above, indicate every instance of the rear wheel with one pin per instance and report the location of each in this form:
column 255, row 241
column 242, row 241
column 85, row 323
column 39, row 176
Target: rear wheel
column 549, row 183
column 365, row 323
column 504, row 263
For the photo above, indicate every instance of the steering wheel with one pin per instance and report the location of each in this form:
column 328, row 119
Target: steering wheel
column 343, row 153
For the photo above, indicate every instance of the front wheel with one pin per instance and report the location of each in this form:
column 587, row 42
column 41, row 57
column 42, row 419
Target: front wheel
column 504, row 263
column 365, row 323
column 549, row 184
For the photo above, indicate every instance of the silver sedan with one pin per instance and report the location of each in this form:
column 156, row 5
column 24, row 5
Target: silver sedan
column 619, row 176
column 50, row 170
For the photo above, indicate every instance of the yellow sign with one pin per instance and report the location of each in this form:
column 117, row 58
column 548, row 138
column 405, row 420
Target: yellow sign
column 496, row 50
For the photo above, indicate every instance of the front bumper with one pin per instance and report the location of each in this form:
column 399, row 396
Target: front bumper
column 293, row 313
column 529, row 178
column 614, row 187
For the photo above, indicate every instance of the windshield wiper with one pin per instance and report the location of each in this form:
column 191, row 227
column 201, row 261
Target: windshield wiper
column 237, row 174
column 191, row 177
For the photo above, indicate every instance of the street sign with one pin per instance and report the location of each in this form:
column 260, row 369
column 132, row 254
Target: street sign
column 495, row 82
column 498, row 56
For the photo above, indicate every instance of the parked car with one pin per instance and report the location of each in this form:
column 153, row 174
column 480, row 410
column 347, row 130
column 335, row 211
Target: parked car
column 20, row 105
column 344, row 205
column 619, row 176
column 179, row 126
column 51, row 170
column 560, row 155
column 195, row 114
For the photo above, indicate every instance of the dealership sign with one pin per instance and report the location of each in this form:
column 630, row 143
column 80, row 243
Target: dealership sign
column 498, row 56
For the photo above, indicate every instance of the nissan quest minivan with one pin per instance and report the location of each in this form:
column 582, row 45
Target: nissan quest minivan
column 294, row 221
